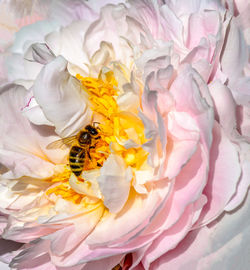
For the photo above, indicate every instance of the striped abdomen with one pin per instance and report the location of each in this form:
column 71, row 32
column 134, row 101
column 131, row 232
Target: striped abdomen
column 76, row 159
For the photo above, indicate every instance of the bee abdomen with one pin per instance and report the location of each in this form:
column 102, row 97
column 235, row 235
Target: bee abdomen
column 76, row 159
column 73, row 159
column 75, row 151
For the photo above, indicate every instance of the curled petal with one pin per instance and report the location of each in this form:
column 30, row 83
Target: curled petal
column 223, row 176
column 89, row 187
column 169, row 238
column 33, row 111
column 225, row 106
column 21, row 154
column 61, row 99
column 115, row 184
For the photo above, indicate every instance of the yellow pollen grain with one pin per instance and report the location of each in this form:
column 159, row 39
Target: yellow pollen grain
column 129, row 157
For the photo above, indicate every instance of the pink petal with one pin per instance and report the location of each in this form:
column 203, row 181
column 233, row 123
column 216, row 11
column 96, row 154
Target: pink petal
column 222, row 245
column 241, row 5
column 184, row 133
column 66, row 239
column 187, row 189
column 223, row 176
column 243, row 117
column 33, row 257
column 142, row 206
column 244, row 182
column 225, row 107
column 235, row 52
column 104, row 264
column 99, row 243
column 173, row 25
column 191, row 95
column 201, row 25
column 169, row 238
column 8, row 250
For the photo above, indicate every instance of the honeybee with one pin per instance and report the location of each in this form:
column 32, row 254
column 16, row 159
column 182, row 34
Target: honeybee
column 81, row 143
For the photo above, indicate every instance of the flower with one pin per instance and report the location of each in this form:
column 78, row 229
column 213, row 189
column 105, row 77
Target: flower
column 124, row 134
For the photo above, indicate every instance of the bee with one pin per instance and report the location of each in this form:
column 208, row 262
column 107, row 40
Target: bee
column 80, row 144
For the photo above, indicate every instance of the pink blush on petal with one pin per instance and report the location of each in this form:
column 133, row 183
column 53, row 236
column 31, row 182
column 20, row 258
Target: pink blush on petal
column 28, row 20
column 223, row 176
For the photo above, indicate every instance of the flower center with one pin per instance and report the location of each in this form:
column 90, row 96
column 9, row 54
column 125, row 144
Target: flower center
column 121, row 133
column 121, row 130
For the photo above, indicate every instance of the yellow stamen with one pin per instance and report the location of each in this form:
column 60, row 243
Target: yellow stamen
column 117, row 128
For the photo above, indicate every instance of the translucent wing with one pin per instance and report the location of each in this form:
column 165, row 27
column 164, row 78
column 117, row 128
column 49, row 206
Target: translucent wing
column 62, row 143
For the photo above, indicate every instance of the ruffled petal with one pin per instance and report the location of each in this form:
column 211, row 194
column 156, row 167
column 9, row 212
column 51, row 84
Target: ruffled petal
column 33, row 111
column 223, row 176
column 115, row 184
column 69, row 11
column 184, row 135
column 19, row 67
column 223, row 245
column 225, row 107
column 191, row 95
column 187, row 189
column 235, row 53
column 169, row 238
column 68, row 42
column 60, row 97
column 21, row 154
column 244, row 181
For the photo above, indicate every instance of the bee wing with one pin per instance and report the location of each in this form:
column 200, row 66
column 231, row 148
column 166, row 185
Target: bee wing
column 62, row 143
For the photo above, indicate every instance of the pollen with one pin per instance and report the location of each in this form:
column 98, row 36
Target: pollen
column 118, row 127
column 61, row 187
column 129, row 157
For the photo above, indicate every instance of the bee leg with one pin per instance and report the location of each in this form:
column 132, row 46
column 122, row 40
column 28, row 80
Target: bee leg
column 93, row 146
column 89, row 156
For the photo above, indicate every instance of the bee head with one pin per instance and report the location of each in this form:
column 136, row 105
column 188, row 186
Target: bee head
column 92, row 130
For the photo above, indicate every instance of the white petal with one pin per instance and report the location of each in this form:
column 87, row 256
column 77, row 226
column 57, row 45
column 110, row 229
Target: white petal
column 87, row 188
column 61, row 98
column 19, row 148
column 67, row 11
column 68, row 42
column 34, row 112
column 41, row 53
column 114, row 183
column 31, row 34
